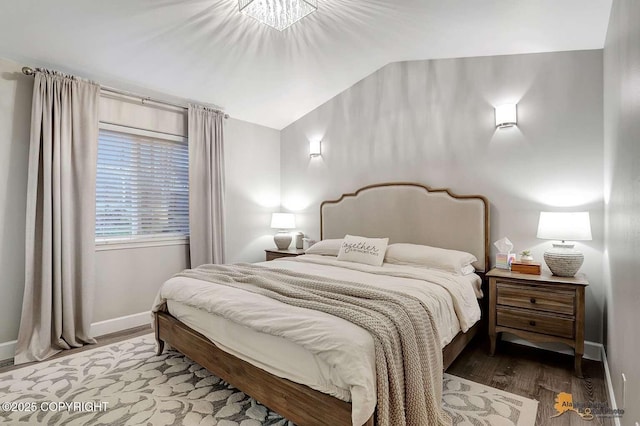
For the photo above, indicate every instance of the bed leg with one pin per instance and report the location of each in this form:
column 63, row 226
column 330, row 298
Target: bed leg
column 159, row 346
column 159, row 341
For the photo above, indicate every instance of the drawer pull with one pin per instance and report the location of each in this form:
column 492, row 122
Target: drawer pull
column 532, row 323
column 532, row 300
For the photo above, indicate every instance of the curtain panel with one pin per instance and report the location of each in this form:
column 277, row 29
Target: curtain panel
column 206, row 185
column 60, row 217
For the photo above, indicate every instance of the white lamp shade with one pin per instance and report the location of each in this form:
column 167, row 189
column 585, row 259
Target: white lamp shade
column 315, row 148
column 506, row 115
column 283, row 220
column 569, row 226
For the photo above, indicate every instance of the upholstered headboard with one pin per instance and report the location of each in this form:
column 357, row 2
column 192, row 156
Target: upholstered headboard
column 412, row 213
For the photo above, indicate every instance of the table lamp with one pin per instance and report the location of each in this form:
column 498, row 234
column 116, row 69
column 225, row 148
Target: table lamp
column 282, row 221
column 562, row 259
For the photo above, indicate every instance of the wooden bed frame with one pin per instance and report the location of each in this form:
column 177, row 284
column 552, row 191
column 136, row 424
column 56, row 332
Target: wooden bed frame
column 298, row 403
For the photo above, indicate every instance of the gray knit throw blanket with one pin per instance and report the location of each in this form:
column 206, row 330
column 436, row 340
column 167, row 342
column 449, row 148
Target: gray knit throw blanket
column 407, row 345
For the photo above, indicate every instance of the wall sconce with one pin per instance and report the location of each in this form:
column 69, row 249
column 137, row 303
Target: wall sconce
column 506, row 115
column 314, row 148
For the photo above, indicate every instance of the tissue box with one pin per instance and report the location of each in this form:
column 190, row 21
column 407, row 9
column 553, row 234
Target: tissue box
column 503, row 260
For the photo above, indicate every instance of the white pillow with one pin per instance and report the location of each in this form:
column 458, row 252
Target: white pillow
column 468, row 270
column 430, row 257
column 325, row 247
column 369, row 251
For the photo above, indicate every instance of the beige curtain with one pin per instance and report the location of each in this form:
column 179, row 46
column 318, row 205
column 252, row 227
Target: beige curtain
column 206, row 185
column 60, row 236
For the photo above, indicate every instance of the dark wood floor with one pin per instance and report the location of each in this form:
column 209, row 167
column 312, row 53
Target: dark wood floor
column 525, row 371
column 535, row 374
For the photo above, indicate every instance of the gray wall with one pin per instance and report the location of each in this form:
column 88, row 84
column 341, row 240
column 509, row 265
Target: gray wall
column 622, row 200
column 433, row 122
column 15, row 111
column 253, row 189
column 128, row 279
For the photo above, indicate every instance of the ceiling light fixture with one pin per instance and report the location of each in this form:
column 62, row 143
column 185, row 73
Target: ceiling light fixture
column 279, row 14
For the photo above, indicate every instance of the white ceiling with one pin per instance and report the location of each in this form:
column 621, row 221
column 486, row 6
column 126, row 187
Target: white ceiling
column 205, row 50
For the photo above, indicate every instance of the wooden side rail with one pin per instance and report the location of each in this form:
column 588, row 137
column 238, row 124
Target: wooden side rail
column 298, row 403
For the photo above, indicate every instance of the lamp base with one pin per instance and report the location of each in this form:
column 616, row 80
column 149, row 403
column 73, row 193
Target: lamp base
column 282, row 240
column 563, row 260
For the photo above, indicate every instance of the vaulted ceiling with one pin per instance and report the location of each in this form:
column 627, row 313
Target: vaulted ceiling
column 205, row 50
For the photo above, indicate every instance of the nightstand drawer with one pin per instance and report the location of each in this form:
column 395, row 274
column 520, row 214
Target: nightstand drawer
column 536, row 322
column 541, row 299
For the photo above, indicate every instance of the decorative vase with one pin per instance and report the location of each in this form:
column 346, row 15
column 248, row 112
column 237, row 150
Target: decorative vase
column 526, row 258
column 282, row 240
column 563, row 260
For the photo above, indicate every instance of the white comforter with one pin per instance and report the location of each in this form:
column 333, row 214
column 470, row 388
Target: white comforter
column 345, row 348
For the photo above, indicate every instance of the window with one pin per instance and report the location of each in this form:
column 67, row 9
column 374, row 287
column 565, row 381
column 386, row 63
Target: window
column 142, row 185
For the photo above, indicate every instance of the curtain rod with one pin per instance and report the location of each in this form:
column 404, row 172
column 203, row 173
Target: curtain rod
column 30, row 71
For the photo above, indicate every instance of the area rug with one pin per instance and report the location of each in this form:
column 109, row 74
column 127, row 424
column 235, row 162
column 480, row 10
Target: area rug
column 127, row 384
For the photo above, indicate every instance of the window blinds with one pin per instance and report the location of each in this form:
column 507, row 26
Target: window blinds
column 142, row 186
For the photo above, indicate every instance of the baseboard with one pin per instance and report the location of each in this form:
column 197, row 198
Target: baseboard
column 118, row 324
column 8, row 349
column 592, row 350
column 612, row 395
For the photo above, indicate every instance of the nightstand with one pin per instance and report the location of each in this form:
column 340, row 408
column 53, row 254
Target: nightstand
column 538, row 308
column 275, row 253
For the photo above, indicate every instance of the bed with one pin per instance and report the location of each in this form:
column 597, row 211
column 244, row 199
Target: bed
column 395, row 210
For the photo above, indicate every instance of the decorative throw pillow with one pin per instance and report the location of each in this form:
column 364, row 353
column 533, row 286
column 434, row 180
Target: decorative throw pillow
column 369, row 251
column 325, row 247
column 430, row 257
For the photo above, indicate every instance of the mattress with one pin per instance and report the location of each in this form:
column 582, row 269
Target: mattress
column 292, row 361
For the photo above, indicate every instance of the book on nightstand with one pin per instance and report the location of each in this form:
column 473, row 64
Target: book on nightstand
column 532, row 268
